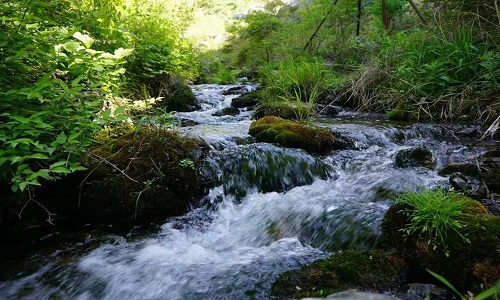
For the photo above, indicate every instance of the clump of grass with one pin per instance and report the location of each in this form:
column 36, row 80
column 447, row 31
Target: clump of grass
column 434, row 214
column 299, row 82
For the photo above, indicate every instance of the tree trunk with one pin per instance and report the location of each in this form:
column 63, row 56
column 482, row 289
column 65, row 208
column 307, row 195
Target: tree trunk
column 384, row 15
column 358, row 23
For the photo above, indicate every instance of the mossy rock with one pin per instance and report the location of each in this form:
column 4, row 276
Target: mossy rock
column 228, row 111
column 363, row 270
column 414, row 157
column 281, row 110
column 177, row 96
column 249, row 99
column 462, row 256
column 143, row 177
column 293, row 135
column 399, row 113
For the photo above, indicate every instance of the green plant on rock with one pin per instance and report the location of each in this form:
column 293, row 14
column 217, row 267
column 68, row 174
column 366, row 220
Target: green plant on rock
column 187, row 163
column 434, row 214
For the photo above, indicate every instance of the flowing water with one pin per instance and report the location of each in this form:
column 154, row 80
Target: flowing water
column 270, row 210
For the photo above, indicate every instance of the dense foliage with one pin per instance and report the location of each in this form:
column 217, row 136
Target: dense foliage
column 438, row 59
column 63, row 64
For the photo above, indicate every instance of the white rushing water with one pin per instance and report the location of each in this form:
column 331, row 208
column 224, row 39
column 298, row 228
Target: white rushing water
column 234, row 245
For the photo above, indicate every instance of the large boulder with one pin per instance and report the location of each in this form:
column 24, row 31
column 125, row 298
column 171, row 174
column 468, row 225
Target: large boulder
column 293, row 135
column 473, row 249
column 143, row 177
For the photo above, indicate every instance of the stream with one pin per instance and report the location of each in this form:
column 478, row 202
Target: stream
column 271, row 210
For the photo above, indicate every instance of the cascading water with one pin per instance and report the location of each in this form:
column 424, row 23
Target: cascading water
column 270, row 210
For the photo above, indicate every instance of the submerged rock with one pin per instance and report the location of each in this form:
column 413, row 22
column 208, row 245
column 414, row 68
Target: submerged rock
column 415, row 157
column 353, row 295
column 264, row 167
column 293, row 135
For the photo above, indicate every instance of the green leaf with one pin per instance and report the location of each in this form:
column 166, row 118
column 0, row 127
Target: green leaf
column 85, row 39
column 50, row 150
column 489, row 292
column 23, row 185
column 120, row 52
column 61, row 170
column 447, row 283
column 61, row 138
column 38, row 156
column 57, row 164
column 72, row 47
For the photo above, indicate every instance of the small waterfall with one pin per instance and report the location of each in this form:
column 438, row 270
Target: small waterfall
column 265, row 168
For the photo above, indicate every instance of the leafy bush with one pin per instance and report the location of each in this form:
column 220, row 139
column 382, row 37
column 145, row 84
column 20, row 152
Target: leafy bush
column 435, row 214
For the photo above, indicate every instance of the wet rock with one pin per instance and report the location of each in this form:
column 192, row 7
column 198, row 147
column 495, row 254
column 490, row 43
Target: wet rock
column 248, row 100
column 365, row 270
column 421, row 291
column 472, row 187
column 235, row 90
column 466, row 169
column 243, row 101
column 327, row 110
column 414, row 157
column 228, row 111
column 353, row 295
column 490, row 163
column 188, row 123
column 293, row 135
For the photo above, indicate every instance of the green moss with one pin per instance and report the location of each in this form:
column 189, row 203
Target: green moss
column 364, row 270
column 399, row 113
column 289, row 134
column 141, row 175
column 277, row 109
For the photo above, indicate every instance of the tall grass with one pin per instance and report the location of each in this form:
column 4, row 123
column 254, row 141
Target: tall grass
column 434, row 214
column 298, row 82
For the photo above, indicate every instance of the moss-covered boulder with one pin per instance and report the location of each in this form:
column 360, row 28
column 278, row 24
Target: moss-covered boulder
column 414, row 157
column 293, row 135
column 277, row 109
column 249, row 99
column 143, row 176
column 177, row 95
column 363, row 270
column 468, row 257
